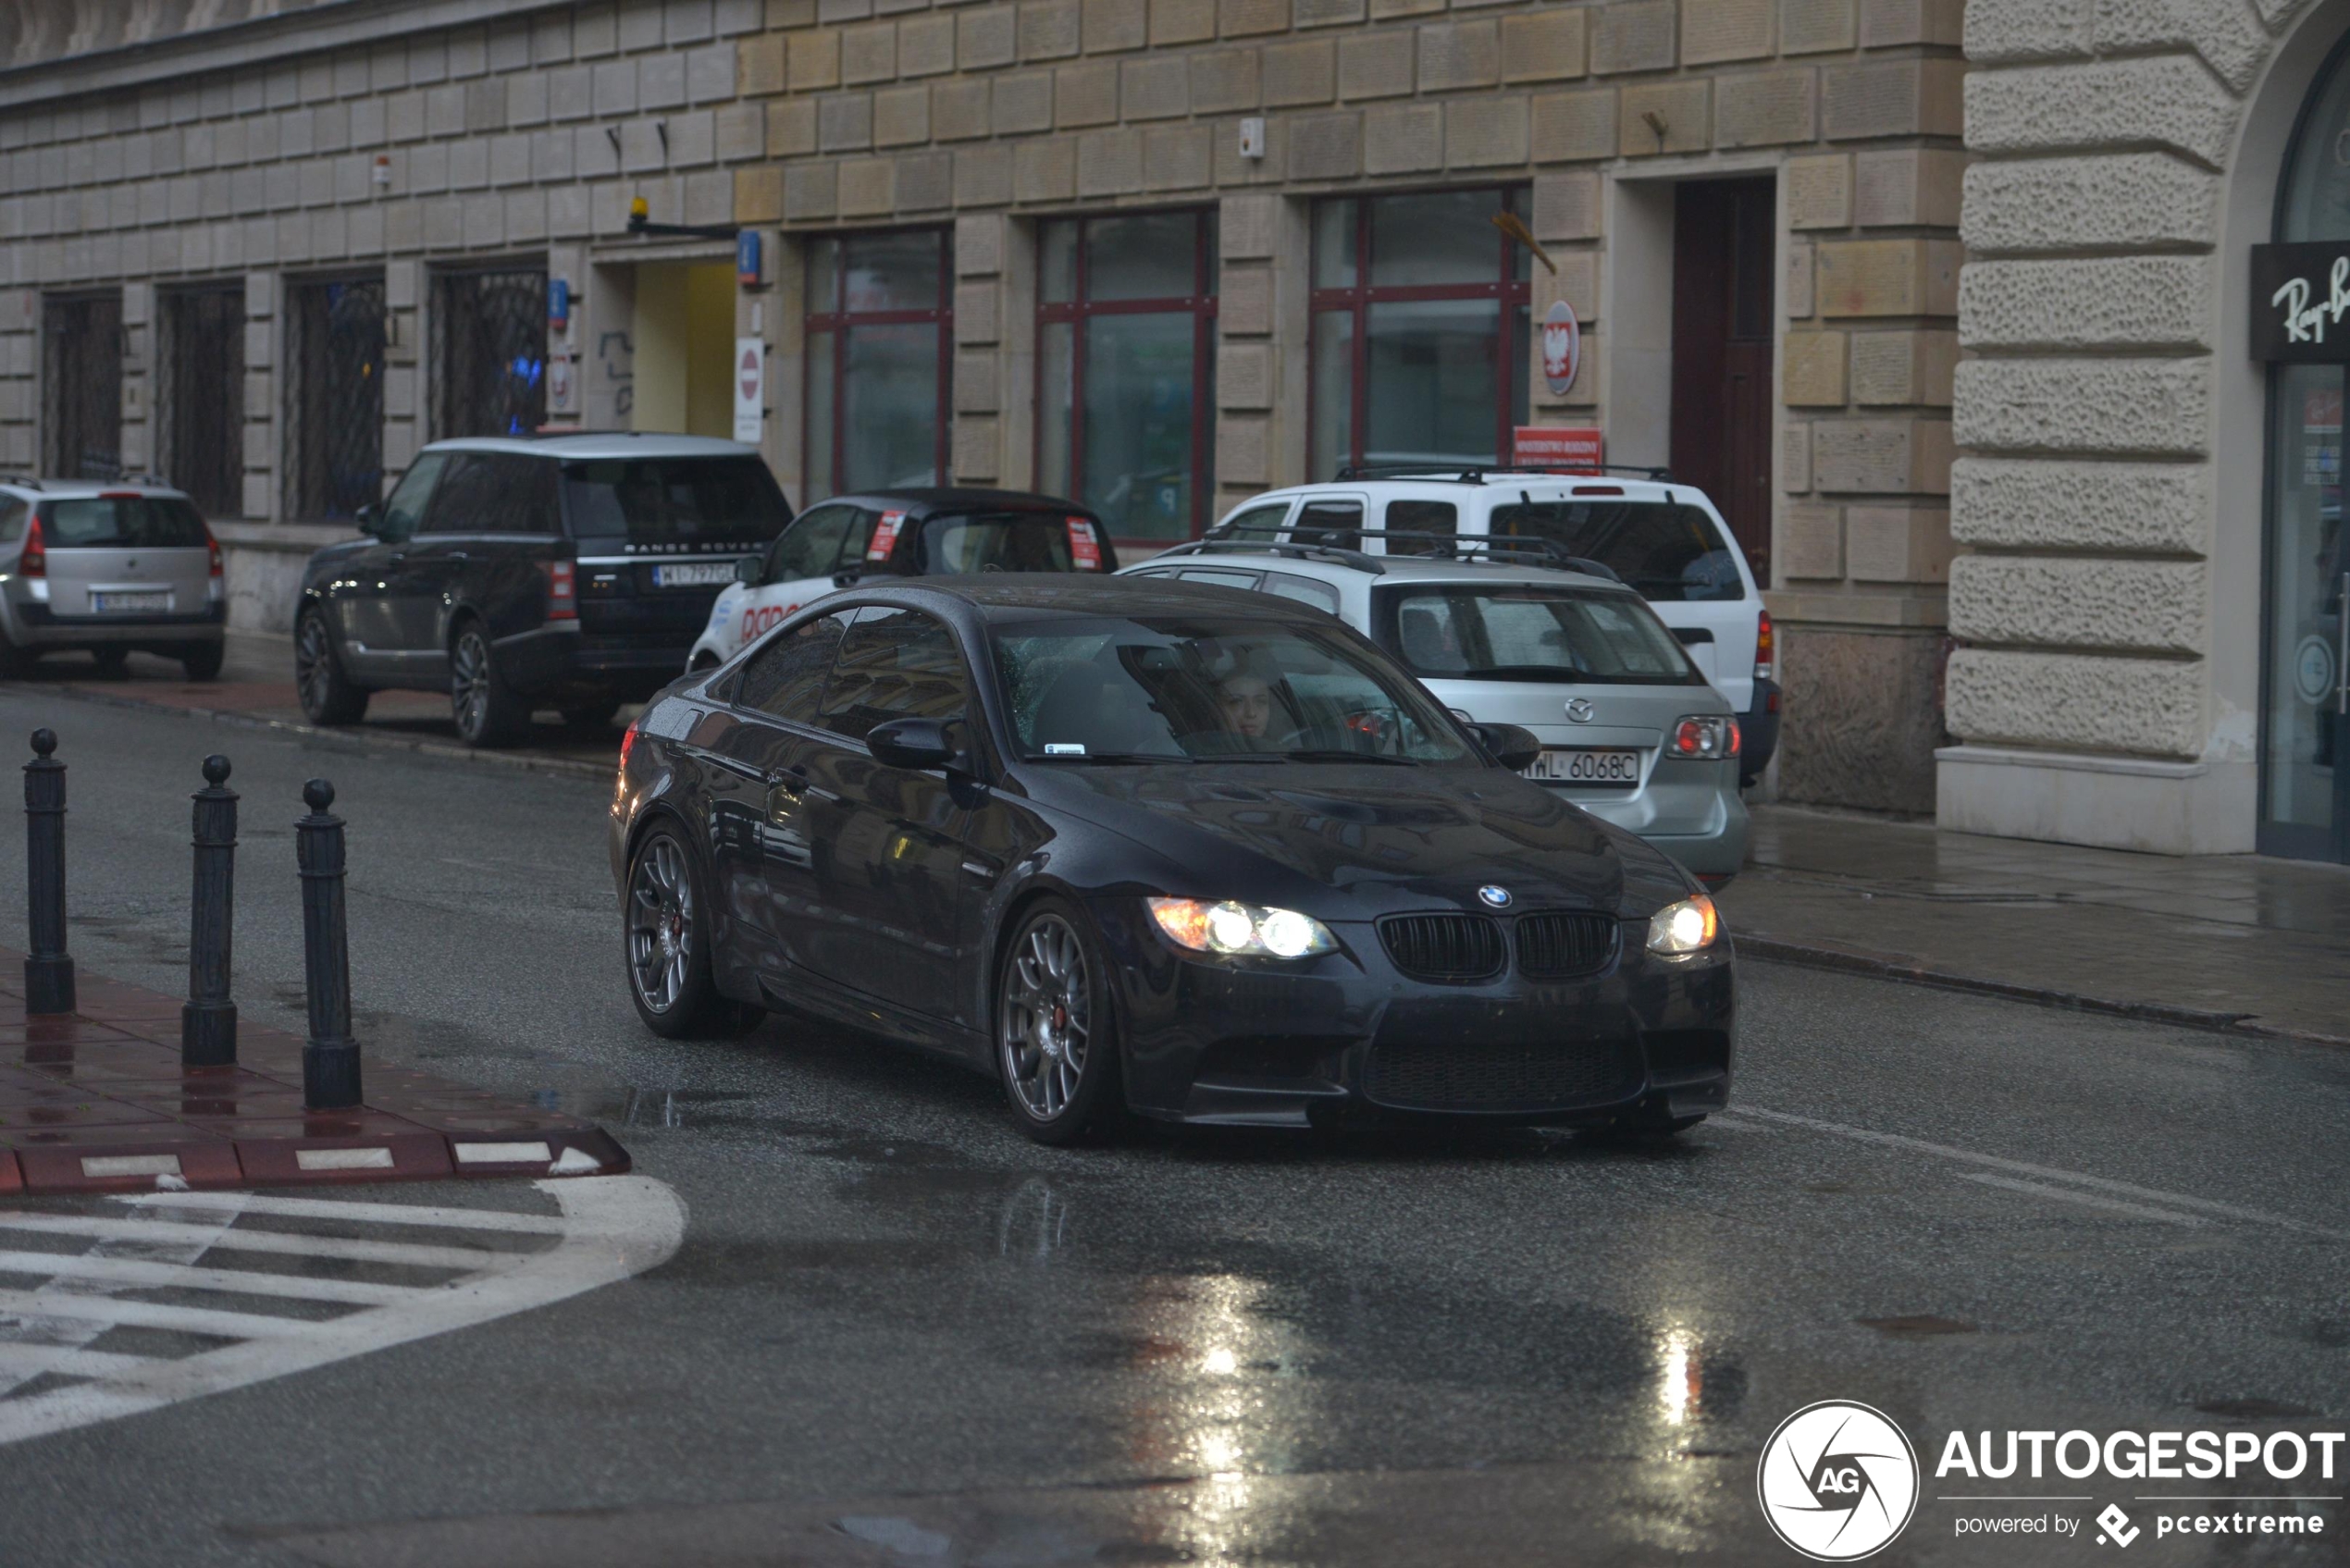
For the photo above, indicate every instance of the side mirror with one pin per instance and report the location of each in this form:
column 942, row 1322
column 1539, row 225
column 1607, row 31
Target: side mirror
column 915, row 744
column 843, row 579
column 751, row 570
column 1512, row 746
column 370, row 518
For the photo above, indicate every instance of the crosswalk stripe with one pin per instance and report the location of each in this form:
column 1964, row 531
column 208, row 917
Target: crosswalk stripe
column 138, row 1274
column 31, row 1361
column 107, row 1228
column 63, row 1307
column 373, row 1214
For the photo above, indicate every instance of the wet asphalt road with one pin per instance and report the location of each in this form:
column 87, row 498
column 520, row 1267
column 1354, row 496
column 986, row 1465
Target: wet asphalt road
column 897, row 1332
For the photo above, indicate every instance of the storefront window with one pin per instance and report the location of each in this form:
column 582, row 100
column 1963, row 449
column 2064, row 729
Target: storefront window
column 2304, row 729
column 1125, row 351
column 1420, row 331
column 879, row 335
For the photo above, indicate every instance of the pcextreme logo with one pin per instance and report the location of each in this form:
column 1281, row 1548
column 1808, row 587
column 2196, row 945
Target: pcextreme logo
column 1837, row 1481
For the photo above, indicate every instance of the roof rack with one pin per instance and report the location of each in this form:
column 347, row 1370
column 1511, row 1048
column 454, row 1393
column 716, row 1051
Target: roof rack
column 1477, row 474
column 1512, row 550
column 26, row 480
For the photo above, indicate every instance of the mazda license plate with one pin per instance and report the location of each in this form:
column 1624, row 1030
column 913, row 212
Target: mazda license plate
column 693, row 573
column 1586, row 765
column 129, row 603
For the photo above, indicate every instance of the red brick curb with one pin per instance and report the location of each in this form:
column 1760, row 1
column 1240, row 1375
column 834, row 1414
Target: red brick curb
column 96, row 1101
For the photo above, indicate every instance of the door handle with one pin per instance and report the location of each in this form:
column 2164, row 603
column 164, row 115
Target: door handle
column 790, row 781
column 458, row 557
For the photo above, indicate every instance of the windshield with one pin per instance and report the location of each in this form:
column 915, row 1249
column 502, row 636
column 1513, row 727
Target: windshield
column 1462, row 632
column 1184, row 688
column 123, row 523
column 694, row 502
column 1665, row 553
column 1015, row 541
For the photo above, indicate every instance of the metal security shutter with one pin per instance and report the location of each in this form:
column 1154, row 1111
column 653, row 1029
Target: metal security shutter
column 81, row 387
column 490, row 360
column 335, row 400
column 199, row 397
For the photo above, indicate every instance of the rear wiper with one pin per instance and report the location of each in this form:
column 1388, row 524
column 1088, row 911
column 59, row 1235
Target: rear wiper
column 1332, row 754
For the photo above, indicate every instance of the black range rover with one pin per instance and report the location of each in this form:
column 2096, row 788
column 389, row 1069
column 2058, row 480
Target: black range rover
column 567, row 572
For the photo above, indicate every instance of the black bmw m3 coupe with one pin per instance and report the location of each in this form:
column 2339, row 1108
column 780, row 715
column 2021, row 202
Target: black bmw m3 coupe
column 1154, row 848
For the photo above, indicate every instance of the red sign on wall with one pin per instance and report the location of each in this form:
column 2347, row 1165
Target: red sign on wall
column 1549, row 446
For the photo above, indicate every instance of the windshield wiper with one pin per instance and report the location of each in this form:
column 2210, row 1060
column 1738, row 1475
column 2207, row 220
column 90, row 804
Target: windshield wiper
column 1333, row 754
column 1118, row 756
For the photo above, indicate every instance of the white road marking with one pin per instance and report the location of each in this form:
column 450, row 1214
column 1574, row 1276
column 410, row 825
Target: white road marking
column 369, row 1214
column 2088, row 1200
column 2046, row 1173
column 610, row 1227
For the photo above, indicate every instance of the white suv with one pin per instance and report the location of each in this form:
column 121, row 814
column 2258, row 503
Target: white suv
column 1630, row 730
column 1665, row 540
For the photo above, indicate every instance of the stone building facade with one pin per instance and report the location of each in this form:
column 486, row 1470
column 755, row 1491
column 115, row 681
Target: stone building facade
column 276, row 248
column 2150, row 597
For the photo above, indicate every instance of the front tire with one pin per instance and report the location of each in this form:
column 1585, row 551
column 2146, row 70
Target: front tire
column 487, row 710
column 666, row 933
column 328, row 697
column 1057, row 1045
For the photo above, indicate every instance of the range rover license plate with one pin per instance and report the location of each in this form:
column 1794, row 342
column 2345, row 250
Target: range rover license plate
column 1586, row 765
column 693, row 573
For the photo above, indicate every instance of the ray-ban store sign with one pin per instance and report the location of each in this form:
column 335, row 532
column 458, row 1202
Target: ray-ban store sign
column 2301, row 303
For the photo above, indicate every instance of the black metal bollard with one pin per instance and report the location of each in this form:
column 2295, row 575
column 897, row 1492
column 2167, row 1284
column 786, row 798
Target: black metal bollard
column 49, row 973
column 208, row 1018
column 331, row 1058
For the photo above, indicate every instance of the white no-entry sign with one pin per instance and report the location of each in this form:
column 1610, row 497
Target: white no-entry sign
column 750, row 383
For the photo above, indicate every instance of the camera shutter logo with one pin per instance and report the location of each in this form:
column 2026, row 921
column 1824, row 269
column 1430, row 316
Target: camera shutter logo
column 1837, row 1481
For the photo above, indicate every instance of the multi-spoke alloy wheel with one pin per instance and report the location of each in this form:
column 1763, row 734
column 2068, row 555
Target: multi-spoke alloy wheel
column 660, row 924
column 1054, row 1040
column 328, row 695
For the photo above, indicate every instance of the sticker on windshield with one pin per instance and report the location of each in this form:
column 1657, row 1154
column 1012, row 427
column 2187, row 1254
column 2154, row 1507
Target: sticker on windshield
column 1084, row 549
column 885, row 536
column 1064, row 749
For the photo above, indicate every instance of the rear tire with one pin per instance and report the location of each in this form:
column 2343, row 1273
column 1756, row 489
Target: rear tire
column 328, row 697
column 18, row 663
column 665, row 943
column 487, row 710
column 1056, row 1046
column 203, row 663
column 114, row 663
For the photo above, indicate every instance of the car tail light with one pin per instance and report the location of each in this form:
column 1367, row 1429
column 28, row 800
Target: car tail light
column 627, row 743
column 1765, row 648
column 562, row 589
column 35, row 561
column 1599, row 490
column 1706, row 737
column 212, row 546
column 119, row 495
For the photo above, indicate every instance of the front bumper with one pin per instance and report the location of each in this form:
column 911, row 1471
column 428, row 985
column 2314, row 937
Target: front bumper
column 1346, row 1036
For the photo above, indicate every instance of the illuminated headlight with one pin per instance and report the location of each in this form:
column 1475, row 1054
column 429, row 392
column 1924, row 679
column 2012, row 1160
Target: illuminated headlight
column 1240, row 930
column 1678, row 930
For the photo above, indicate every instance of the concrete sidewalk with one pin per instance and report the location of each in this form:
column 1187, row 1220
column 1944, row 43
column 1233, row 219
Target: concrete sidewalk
column 2237, row 942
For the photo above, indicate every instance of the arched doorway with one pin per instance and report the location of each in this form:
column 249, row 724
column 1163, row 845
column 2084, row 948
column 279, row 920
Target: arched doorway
column 2301, row 287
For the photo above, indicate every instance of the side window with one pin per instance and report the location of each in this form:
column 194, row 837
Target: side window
column 1336, row 523
column 784, row 679
column 1439, row 517
column 12, row 516
column 894, row 664
column 1305, row 590
column 1221, row 577
column 406, row 507
column 527, row 501
column 856, row 550
column 1429, row 638
column 1255, row 523
column 810, row 547
column 466, row 500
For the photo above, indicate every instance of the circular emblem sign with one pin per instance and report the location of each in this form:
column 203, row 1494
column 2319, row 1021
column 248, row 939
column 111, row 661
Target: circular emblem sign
column 1837, row 1481
column 2313, row 674
column 1499, row 897
column 1562, row 347
column 750, row 373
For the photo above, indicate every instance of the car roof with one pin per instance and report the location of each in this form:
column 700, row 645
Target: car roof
column 1385, row 568
column 593, row 445
column 925, row 501
column 77, row 489
column 1026, row 596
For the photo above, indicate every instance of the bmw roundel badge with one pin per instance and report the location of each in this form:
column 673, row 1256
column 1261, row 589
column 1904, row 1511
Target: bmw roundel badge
column 1499, row 897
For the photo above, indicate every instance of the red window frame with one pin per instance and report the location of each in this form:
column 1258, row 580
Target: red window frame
column 839, row 322
column 1358, row 299
column 1202, row 305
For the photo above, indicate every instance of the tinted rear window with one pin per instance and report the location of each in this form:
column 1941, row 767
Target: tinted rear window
column 1016, row 541
column 694, row 503
column 122, row 523
column 1665, row 553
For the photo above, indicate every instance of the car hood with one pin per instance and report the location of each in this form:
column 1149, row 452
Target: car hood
column 1355, row 843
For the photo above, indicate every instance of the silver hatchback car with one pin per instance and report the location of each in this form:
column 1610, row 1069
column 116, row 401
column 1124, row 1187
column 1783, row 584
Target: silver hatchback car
column 1630, row 730
column 107, row 567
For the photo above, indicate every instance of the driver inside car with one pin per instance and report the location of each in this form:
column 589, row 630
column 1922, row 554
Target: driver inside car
column 1245, row 701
